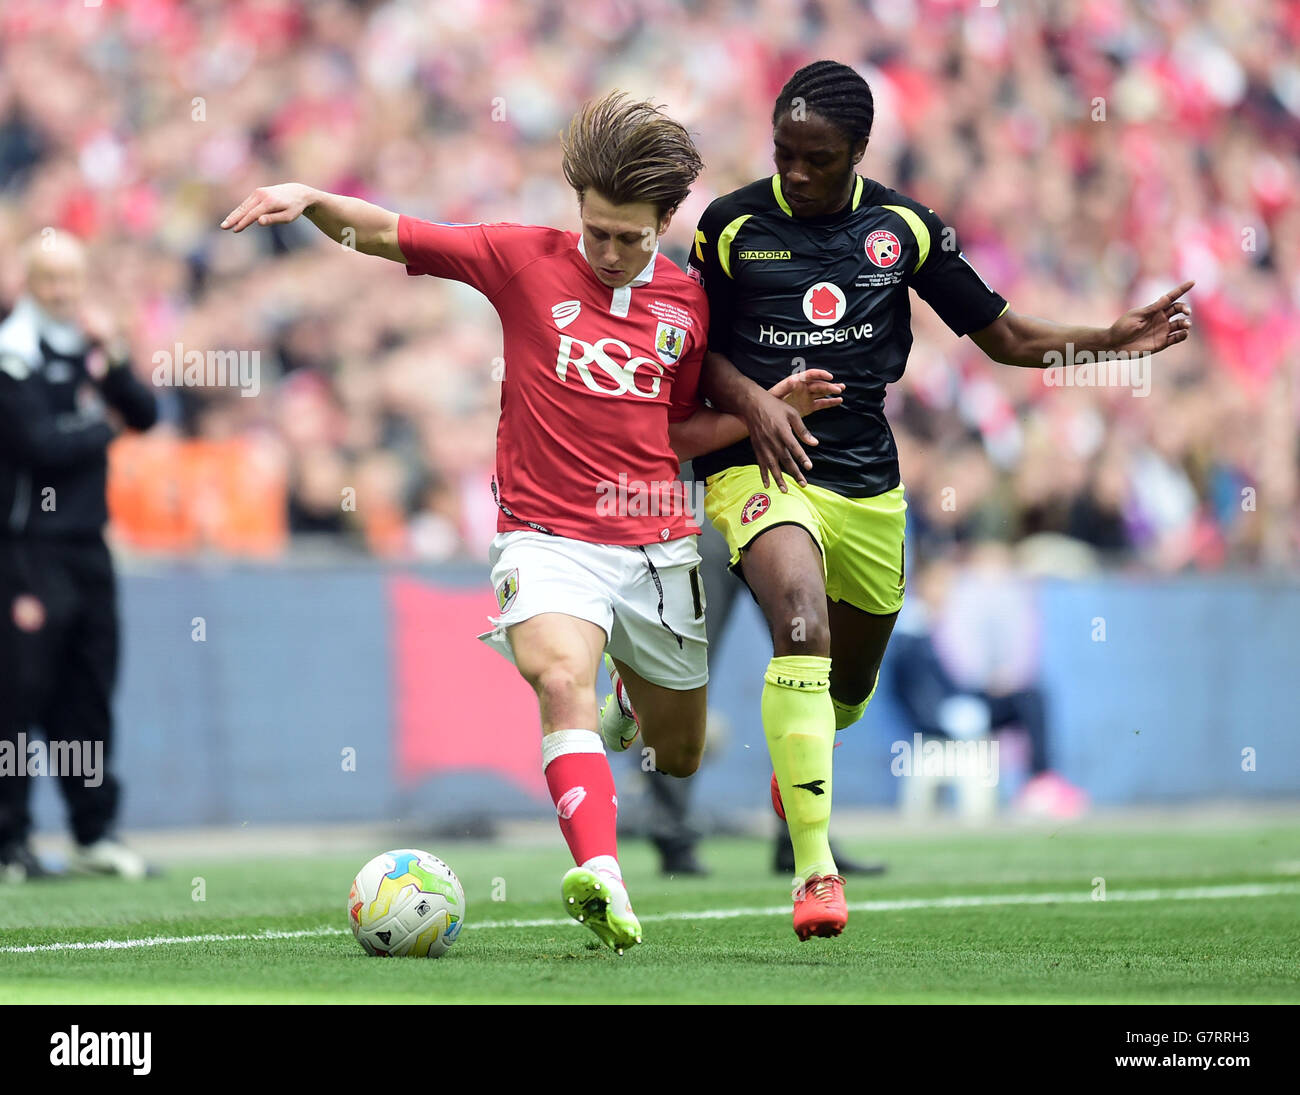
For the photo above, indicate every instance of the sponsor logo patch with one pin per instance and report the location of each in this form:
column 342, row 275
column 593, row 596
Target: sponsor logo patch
column 813, row 785
column 766, row 256
column 757, row 505
column 824, row 303
column 565, row 312
column 570, row 801
column 609, row 376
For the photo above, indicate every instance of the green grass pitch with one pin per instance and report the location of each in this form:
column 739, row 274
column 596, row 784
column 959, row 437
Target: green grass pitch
column 1192, row 914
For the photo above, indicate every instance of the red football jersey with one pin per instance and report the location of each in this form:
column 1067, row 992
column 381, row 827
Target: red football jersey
column 593, row 376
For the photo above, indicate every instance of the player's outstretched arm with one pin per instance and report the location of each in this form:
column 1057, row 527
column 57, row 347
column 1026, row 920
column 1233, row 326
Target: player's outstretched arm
column 368, row 228
column 706, row 430
column 1032, row 343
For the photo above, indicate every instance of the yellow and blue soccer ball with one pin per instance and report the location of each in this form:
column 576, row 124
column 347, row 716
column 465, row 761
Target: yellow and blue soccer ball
column 406, row 903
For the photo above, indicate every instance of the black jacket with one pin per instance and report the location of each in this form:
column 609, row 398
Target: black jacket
column 53, row 456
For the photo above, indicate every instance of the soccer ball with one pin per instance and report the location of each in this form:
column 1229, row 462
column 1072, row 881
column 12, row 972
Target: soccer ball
column 406, row 903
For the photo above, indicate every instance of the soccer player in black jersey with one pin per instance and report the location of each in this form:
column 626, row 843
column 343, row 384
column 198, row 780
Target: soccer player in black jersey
column 810, row 268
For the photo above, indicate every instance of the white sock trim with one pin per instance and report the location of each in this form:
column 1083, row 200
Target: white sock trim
column 562, row 742
column 604, row 864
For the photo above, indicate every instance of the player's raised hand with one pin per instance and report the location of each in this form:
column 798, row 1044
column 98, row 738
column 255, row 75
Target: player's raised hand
column 1155, row 327
column 808, row 391
column 278, row 204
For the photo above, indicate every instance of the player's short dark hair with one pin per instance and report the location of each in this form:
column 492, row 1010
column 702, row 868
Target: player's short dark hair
column 630, row 151
column 832, row 91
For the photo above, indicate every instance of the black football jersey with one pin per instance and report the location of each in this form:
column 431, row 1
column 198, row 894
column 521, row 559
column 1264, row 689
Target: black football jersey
column 831, row 292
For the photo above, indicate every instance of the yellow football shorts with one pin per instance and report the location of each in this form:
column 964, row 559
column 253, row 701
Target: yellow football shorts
column 860, row 539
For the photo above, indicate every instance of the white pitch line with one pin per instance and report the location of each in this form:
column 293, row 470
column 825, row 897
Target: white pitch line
column 1186, row 893
column 1193, row 893
column 162, row 940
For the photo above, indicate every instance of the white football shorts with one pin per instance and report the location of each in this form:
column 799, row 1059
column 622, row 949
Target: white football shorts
column 648, row 600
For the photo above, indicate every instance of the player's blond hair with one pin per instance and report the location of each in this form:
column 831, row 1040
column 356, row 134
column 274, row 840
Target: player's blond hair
column 630, row 151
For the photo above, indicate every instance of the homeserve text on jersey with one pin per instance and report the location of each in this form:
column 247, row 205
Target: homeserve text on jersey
column 774, row 337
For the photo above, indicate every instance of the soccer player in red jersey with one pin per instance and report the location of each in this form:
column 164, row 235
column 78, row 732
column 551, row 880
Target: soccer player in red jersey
column 595, row 550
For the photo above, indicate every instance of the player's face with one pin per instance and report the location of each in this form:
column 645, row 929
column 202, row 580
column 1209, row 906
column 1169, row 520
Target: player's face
column 816, row 163
column 619, row 239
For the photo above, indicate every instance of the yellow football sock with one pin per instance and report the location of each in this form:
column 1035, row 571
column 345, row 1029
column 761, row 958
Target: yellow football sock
column 847, row 714
column 799, row 721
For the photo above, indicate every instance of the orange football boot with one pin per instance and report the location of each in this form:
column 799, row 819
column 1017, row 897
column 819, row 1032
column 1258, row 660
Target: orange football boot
column 819, row 907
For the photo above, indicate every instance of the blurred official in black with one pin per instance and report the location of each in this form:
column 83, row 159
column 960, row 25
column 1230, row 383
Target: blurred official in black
column 66, row 390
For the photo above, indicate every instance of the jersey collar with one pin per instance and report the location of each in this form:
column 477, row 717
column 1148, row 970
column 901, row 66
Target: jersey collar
column 854, row 202
column 644, row 278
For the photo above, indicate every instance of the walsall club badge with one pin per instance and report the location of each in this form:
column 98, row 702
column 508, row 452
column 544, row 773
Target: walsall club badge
column 883, row 248
column 757, row 505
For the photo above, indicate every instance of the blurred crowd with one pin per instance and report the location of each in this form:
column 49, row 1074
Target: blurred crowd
column 1091, row 154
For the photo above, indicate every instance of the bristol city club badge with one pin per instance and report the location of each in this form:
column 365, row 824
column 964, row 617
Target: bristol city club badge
column 508, row 590
column 669, row 341
column 883, row 248
column 757, row 505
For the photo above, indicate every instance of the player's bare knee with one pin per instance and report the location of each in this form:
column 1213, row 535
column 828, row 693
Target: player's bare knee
column 800, row 627
column 558, row 686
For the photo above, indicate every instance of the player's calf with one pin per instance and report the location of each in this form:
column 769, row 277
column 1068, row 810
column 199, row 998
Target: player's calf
column 678, row 760
column 671, row 721
column 557, row 655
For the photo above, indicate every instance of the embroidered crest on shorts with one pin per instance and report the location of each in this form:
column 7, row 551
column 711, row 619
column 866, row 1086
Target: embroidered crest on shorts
column 508, row 590
column 757, row 505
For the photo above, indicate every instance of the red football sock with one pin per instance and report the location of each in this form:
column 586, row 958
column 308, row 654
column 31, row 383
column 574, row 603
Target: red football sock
column 582, row 788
